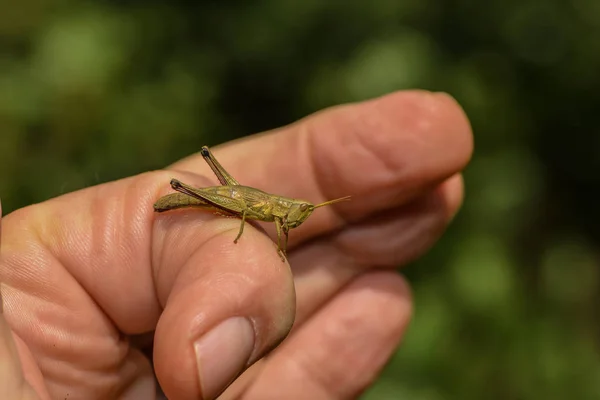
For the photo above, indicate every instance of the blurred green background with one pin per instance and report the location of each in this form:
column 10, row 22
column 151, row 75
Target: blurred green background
column 506, row 304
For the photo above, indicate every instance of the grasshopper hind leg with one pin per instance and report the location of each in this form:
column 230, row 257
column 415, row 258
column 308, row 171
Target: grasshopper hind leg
column 281, row 251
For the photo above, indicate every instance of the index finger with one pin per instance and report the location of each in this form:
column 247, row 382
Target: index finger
column 381, row 152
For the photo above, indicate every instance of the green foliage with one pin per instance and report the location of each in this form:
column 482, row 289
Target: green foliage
column 505, row 303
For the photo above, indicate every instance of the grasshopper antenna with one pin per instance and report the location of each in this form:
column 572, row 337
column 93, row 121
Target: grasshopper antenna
column 333, row 201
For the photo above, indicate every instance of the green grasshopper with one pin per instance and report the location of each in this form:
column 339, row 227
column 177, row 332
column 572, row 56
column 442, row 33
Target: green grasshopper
column 233, row 199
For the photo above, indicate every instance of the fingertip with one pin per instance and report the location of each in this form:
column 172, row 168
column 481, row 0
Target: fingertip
column 458, row 120
column 434, row 117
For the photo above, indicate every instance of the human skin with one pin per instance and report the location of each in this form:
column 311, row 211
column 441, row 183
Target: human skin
column 90, row 277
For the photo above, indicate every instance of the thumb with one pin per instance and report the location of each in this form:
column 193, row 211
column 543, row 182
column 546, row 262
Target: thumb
column 225, row 305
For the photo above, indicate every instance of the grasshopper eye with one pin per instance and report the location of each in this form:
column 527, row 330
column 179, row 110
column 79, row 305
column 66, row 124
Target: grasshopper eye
column 303, row 207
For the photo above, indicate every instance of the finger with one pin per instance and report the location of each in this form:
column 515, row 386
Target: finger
column 382, row 152
column 226, row 305
column 399, row 236
column 341, row 350
column 322, row 267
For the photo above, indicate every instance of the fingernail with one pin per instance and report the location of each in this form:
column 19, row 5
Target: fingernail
column 222, row 354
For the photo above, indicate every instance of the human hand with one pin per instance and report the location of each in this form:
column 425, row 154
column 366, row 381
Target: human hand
column 90, row 278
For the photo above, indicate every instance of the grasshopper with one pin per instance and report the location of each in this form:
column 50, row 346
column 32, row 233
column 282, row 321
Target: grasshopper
column 233, row 199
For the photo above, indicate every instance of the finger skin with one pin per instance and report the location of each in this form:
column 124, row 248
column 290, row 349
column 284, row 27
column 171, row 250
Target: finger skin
column 16, row 382
column 12, row 383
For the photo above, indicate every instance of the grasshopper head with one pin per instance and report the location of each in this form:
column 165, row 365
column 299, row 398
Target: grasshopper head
column 300, row 211
column 298, row 214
